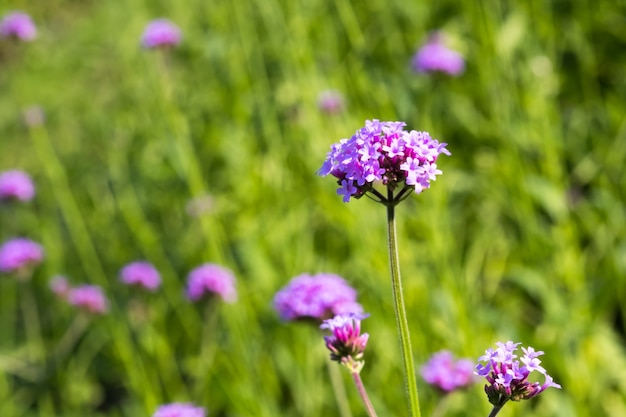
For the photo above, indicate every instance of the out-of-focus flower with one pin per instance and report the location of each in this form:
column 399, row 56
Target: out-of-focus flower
column 434, row 56
column 385, row 153
column 200, row 206
column 59, row 286
column 16, row 185
column 161, row 33
column 346, row 343
column 18, row 254
column 33, row 116
column 446, row 373
column 142, row 274
column 179, row 410
column 330, row 101
column 90, row 298
column 507, row 379
column 18, row 25
column 316, row 297
column 210, row 279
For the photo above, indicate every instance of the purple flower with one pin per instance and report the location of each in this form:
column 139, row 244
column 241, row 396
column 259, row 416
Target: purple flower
column 90, row 298
column 330, row 101
column 316, row 297
column 16, row 185
column 141, row 274
column 210, row 279
column 435, row 56
column 59, row 286
column 18, row 25
column 506, row 378
column 346, row 344
column 179, row 410
column 19, row 253
column 446, row 373
column 383, row 153
column 161, row 33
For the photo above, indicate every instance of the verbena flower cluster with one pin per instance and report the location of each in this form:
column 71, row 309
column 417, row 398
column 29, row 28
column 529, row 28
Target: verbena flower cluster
column 18, row 25
column 385, row 153
column 209, row 280
column 507, row 379
column 435, row 56
column 161, row 33
column 179, row 410
column 16, row 185
column 89, row 298
column 316, row 297
column 346, row 343
column 19, row 253
column 447, row 373
column 141, row 274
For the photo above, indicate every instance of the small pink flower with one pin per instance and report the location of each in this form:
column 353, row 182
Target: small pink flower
column 19, row 253
column 435, row 56
column 179, row 410
column 330, row 101
column 59, row 286
column 446, row 373
column 18, row 25
column 346, row 343
column 142, row 274
column 210, row 279
column 161, row 33
column 16, row 185
column 90, row 298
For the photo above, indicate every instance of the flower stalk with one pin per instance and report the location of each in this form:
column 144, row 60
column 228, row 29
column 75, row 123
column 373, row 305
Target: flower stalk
column 356, row 377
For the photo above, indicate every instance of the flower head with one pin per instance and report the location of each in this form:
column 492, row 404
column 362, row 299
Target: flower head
column 346, row 343
column 434, row 56
column 385, row 153
column 161, row 33
column 59, row 286
column 446, row 373
column 141, row 274
column 90, row 298
column 316, row 297
column 18, row 254
column 507, row 379
column 18, row 25
column 211, row 279
column 179, row 410
column 330, row 101
column 16, row 185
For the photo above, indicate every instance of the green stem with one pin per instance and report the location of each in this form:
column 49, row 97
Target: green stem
column 401, row 320
column 361, row 388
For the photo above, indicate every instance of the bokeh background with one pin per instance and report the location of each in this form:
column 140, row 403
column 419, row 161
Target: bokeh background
column 208, row 153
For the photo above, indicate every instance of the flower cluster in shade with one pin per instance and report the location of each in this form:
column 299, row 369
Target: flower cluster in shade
column 447, row 373
column 161, row 33
column 346, row 343
column 16, row 185
column 18, row 254
column 507, row 378
column 141, row 274
column 385, row 153
column 18, row 25
column 316, row 297
column 435, row 56
column 179, row 410
column 330, row 102
column 210, row 280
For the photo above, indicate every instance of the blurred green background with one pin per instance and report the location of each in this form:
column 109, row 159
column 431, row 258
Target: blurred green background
column 209, row 153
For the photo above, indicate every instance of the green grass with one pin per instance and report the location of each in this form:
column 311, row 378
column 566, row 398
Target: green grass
column 522, row 237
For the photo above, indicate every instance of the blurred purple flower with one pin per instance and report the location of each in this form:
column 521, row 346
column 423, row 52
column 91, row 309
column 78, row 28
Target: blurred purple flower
column 161, row 33
column 506, row 379
column 59, row 286
column 18, row 25
column 446, row 373
column 316, row 297
column 210, row 279
column 346, row 344
column 435, row 56
column 330, row 101
column 90, row 298
column 141, row 274
column 16, row 185
column 19, row 253
column 179, row 410
column 383, row 152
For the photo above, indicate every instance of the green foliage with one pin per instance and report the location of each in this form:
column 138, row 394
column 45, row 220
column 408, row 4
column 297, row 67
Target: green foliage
column 208, row 154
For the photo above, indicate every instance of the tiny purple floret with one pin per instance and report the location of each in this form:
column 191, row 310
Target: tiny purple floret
column 19, row 253
column 161, row 33
column 18, row 25
column 16, row 185
column 447, row 373
column 141, row 274
column 210, row 279
column 89, row 298
column 434, row 56
column 179, row 410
